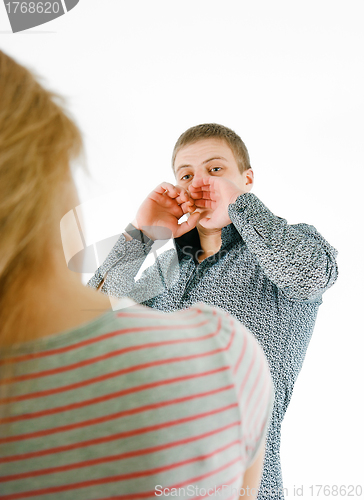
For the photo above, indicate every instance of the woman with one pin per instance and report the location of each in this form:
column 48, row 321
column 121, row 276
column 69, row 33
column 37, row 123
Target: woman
column 96, row 403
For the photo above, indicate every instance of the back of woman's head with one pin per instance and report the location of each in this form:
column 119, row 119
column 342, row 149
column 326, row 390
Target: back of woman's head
column 37, row 142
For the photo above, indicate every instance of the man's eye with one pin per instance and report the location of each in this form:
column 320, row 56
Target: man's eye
column 215, row 169
column 185, row 177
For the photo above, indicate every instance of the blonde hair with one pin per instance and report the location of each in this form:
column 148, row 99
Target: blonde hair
column 37, row 142
column 215, row 131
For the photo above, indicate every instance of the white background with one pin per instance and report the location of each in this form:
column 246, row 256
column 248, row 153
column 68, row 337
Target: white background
column 288, row 77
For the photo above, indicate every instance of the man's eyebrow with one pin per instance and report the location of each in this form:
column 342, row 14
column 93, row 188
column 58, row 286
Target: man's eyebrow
column 203, row 163
column 214, row 158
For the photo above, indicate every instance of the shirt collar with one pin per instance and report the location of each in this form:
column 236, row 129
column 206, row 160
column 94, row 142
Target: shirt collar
column 229, row 234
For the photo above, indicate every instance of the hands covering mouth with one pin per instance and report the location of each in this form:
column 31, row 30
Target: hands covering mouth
column 212, row 196
column 206, row 201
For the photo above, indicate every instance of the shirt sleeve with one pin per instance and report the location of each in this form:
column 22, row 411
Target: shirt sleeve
column 296, row 258
column 121, row 266
column 253, row 386
column 127, row 256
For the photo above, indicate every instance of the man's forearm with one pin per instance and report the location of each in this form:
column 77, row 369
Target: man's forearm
column 124, row 260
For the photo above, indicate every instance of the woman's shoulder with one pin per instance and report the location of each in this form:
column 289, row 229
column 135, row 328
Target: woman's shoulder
column 98, row 321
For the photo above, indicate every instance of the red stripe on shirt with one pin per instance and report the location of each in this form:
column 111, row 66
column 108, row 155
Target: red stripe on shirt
column 60, row 350
column 226, row 483
column 122, row 435
column 123, row 477
column 252, row 446
column 112, row 458
column 113, row 395
column 83, row 383
column 252, row 362
column 263, row 397
column 102, row 357
column 241, row 355
column 258, row 378
column 254, row 423
column 191, row 480
column 106, row 376
column 106, row 418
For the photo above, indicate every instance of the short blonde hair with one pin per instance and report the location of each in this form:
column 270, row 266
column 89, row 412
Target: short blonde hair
column 37, row 142
column 215, row 131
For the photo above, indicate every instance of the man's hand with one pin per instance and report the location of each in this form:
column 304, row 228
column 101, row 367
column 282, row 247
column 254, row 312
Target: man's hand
column 214, row 194
column 163, row 207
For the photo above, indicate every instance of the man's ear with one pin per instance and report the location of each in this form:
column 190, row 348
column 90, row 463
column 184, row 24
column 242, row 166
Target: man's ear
column 248, row 176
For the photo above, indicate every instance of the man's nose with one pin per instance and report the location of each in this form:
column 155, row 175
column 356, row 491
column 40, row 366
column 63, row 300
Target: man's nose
column 198, row 174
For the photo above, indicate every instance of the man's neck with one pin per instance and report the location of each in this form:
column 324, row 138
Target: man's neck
column 210, row 240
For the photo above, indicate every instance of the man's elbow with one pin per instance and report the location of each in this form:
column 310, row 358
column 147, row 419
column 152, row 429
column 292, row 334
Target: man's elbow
column 312, row 282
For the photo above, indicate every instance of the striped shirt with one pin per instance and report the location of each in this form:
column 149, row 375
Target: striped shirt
column 135, row 403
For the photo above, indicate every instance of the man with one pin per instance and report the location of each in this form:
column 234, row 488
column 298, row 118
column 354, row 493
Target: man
column 232, row 253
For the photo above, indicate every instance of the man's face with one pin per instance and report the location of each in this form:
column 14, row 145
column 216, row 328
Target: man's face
column 209, row 157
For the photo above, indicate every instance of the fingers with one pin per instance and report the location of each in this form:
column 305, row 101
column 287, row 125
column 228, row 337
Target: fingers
column 202, row 183
column 206, row 199
column 172, row 191
column 189, row 224
column 205, row 204
column 166, row 191
column 185, row 201
column 201, row 188
column 163, row 199
column 167, row 188
column 175, row 192
column 188, row 208
column 207, row 222
column 184, row 197
column 207, row 195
